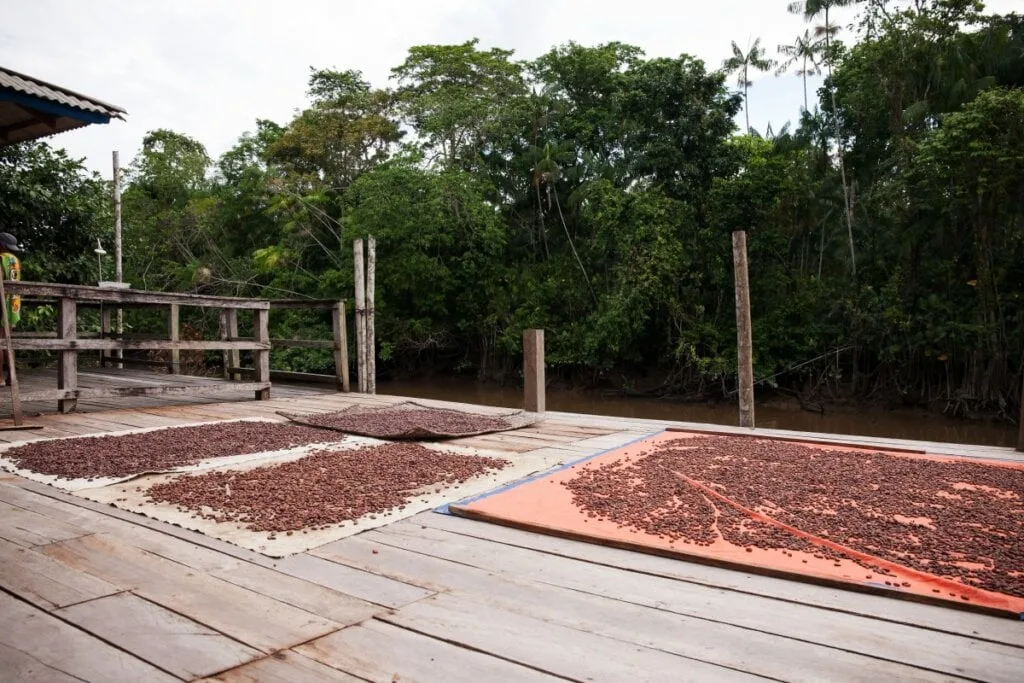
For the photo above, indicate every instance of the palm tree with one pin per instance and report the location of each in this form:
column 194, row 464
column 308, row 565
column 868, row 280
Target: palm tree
column 741, row 63
column 811, row 9
column 804, row 50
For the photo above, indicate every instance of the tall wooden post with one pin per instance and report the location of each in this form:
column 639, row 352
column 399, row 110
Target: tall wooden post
column 174, row 333
column 340, row 346
column 118, row 271
column 533, row 371
column 371, row 333
column 104, row 331
column 360, row 274
column 744, row 341
column 67, row 368
column 261, row 357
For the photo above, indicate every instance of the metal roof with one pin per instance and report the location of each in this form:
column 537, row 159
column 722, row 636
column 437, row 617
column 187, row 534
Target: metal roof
column 31, row 108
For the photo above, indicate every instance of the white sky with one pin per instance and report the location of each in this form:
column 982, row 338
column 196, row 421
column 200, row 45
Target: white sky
column 210, row 68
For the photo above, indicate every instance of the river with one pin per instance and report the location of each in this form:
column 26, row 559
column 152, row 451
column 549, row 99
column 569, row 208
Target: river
column 916, row 425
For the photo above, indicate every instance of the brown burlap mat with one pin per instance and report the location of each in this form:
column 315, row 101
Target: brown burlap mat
column 411, row 421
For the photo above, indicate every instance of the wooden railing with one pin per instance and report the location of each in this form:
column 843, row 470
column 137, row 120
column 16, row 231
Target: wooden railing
column 68, row 342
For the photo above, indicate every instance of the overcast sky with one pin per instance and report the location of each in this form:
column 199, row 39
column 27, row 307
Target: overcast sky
column 210, row 68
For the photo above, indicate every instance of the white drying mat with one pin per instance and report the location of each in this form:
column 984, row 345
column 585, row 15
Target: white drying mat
column 82, row 484
column 516, row 419
column 132, row 496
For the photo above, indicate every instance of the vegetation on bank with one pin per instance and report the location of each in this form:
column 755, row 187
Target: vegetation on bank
column 592, row 192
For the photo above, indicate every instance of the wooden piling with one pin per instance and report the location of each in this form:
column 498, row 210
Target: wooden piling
column 67, row 364
column 533, row 371
column 371, row 341
column 261, row 357
column 360, row 274
column 744, row 341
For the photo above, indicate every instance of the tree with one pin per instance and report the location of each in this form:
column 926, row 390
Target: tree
column 741, row 63
column 811, row 9
column 804, row 50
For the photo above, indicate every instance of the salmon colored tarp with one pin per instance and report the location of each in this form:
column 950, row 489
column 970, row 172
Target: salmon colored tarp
column 543, row 504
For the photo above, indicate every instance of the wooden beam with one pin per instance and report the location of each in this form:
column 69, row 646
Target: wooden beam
column 371, row 330
column 74, row 345
column 261, row 358
column 360, row 283
column 128, row 392
column 289, row 376
column 324, row 304
column 145, row 362
column 67, row 368
column 302, row 343
column 174, row 332
column 84, row 293
column 533, row 371
column 340, row 328
column 744, row 342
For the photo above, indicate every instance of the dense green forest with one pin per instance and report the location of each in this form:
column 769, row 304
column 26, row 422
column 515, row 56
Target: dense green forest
column 592, row 192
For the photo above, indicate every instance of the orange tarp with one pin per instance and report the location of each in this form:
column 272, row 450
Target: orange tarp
column 544, row 504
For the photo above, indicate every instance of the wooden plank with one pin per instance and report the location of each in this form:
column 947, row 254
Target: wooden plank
column 370, row 587
column 44, row 582
column 705, row 640
column 136, row 344
column 302, row 343
column 249, row 617
column 60, row 646
column 16, row 665
column 146, row 391
column 339, row 326
column 174, row 643
column 28, row 529
column 261, row 359
column 284, row 667
column 382, row 652
column 130, row 296
column 174, row 333
column 840, row 601
column 544, row 646
column 302, row 304
column 935, row 651
column 67, row 368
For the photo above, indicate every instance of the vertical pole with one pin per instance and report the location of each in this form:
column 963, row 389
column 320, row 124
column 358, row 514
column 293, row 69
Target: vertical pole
column 225, row 355
column 340, row 345
column 371, row 342
column 174, row 330
column 9, row 350
column 360, row 273
column 118, row 272
column 234, row 355
column 744, row 341
column 533, row 370
column 261, row 357
column 104, row 331
column 67, row 369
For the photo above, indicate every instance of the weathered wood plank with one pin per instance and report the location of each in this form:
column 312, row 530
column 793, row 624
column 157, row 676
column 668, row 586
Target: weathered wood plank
column 261, row 358
column 370, row 587
column 382, row 652
column 705, row 640
column 44, row 582
column 283, row 667
column 302, row 343
column 67, row 368
column 167, row 640
column 941, row 652
column 547, row 646
column 144, row 391
column 27, row 529
column 129, row 296
column 839, row 601
column 249, row 617
column 19, row 666
column 67, row 344
column 60, row 646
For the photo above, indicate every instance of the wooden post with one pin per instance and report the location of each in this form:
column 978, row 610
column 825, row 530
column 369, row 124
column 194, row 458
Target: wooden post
column 104, row 331
column 229, row 330
column 371, row 341
column 118, row 270
column 174, row 330
column 533, row 370
column 261, row 357
column 9, row 350
column 340, row 345
column 357, row 260
column 67, row 368
column 744, row 341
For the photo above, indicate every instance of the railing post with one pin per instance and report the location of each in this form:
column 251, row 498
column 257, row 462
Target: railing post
column 261, row 357
column 533, row 370
column 360, row 284
column 229, row 330
column 340, row 345
column 67, row 368
column 173, row 324
column 104, row 332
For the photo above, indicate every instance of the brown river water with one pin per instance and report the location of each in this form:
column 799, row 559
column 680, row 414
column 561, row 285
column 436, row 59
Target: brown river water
column 914, row 425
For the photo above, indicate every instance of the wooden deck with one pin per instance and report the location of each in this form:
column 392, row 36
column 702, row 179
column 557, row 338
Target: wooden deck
column 96, row 594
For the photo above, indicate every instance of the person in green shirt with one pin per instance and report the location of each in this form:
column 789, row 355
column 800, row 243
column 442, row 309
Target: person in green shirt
column 11, row 269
